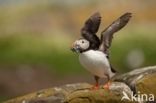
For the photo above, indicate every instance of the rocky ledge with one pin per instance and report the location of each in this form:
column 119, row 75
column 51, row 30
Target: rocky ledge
column 136, row 86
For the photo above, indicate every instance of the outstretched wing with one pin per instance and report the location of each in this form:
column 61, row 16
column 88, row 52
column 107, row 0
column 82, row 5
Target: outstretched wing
column 90, row 28
column 107, row 34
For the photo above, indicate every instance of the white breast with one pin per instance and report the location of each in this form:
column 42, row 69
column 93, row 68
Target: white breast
column 95, row 62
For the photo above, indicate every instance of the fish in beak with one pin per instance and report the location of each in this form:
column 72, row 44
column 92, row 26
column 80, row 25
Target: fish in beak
column 76, row 48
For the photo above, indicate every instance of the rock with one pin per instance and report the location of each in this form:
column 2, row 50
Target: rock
column 134, row 77
column 142, row 80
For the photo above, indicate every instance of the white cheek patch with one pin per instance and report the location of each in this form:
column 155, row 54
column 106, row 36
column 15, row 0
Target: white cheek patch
column 85, row 45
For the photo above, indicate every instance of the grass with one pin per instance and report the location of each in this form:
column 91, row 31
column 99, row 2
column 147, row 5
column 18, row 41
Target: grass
column 143, row 41
column 47, row 50
column 37, row 50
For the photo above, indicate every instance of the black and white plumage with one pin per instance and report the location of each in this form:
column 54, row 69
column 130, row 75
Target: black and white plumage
column 93, row 52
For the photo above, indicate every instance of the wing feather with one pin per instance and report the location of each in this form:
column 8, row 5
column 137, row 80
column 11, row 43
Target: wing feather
column 90, row 29
column 107, row 34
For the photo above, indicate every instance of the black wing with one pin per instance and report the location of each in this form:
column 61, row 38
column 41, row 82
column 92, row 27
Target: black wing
column 89, row 30
column 107, row 34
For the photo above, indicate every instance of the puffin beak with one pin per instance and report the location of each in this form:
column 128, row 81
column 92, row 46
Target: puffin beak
column 75, row 48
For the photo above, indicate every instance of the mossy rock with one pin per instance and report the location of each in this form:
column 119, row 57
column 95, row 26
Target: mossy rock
column 143, row 80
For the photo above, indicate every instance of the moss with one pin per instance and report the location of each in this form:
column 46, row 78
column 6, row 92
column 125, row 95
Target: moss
column 82, row 93
column 147, row 84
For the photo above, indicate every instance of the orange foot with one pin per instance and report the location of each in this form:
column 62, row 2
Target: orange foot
column 107, row 86
column 95, row 87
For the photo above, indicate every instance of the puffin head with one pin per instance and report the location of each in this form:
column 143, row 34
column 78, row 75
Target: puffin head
column 80, row 45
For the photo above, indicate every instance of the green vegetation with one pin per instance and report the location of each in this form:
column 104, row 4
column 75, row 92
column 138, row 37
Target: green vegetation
column 55, row 52
column 38, row 50
column 133, row 40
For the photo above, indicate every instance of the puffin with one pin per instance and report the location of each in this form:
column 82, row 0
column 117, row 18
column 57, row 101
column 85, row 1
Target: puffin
column 94, row 51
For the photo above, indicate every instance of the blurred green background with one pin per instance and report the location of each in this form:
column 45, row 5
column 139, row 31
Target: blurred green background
column 36, row 35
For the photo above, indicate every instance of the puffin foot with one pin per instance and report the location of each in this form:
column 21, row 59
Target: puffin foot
column 95, row 87
column 107, row 85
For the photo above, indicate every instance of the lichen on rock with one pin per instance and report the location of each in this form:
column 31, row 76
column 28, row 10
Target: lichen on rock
column 142, row 80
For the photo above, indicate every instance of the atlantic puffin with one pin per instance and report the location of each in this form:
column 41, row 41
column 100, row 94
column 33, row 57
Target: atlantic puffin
column 94, row 52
